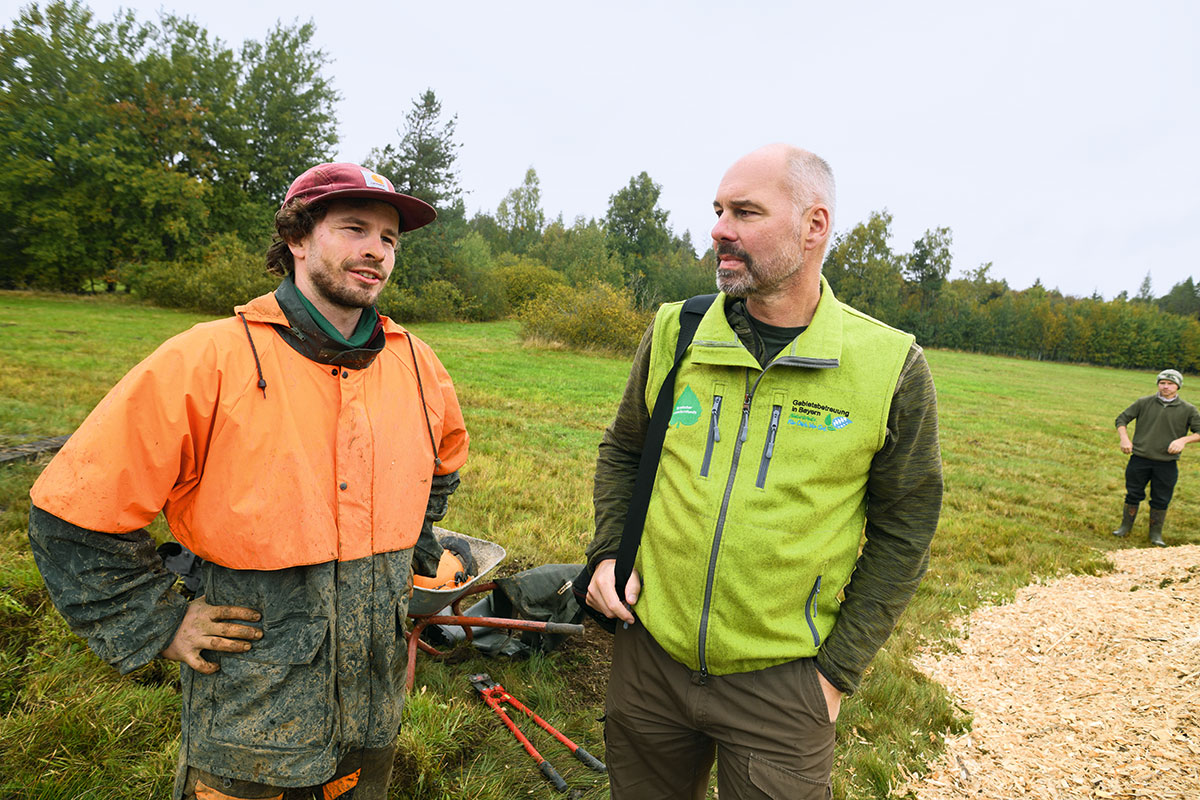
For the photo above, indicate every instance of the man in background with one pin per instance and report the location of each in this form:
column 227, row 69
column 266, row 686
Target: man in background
column 815, row 421
column 298, row 447
column 1164, row 420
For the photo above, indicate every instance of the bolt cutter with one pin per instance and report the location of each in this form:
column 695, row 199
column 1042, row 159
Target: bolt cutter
column 494, row 695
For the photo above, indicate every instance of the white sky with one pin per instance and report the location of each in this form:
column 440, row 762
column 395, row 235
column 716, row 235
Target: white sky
column 1056, row 139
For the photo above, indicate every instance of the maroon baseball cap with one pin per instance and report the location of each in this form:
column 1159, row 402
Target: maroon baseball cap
column 344, row 180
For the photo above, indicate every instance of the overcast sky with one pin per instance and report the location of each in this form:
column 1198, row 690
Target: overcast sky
column 1057, row 140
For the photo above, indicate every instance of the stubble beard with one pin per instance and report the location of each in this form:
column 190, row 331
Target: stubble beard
column 326, row 281
column 758, row 277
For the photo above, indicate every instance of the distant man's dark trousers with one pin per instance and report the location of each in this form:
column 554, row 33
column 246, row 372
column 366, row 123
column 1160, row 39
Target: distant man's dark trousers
column 1161, row 475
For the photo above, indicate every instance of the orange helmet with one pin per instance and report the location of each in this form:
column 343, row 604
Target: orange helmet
column 450, row 575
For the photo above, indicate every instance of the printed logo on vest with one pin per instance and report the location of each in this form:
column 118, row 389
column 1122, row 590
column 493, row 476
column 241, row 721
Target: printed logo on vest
column 818, row 417
column 687, row 408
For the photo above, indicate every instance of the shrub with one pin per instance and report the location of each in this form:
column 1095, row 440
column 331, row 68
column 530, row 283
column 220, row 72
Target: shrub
column 441, row 300
column 485, row 299
column 473, row 272
column 221, row 275
column 525, row 278
column 434, row 301
column 595, row 317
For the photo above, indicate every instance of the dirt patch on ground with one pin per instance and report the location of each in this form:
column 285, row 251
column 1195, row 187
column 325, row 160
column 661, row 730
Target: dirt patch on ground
column 586, row 660
column 1085, row 687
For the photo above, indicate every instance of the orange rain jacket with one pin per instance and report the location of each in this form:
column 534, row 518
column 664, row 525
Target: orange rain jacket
column 303, row 497
column 323, row 464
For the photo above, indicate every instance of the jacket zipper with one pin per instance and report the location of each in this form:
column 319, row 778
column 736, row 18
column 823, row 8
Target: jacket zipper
column 810, row 612
column 811, row 363
column 714, row 435
column 769, row 447
column 716, row 545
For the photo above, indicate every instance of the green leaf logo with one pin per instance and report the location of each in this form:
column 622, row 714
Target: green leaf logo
column 829, row 419
column 687, row 409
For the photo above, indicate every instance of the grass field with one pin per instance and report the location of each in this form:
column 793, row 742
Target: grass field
column 1033, row 486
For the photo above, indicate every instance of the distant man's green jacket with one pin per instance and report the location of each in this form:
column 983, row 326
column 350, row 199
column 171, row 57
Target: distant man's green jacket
column 1158, row 424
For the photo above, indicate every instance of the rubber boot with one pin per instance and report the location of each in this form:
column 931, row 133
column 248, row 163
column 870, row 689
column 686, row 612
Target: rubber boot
column 1126, row 521
column 1157, row 517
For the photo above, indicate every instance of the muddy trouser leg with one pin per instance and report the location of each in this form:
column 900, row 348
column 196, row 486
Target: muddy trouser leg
column 361, row 775
column 770, row 728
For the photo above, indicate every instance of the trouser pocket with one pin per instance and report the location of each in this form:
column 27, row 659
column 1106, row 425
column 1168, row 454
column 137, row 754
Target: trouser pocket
column 779, row 783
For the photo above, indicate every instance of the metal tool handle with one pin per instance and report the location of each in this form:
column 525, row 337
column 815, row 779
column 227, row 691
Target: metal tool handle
column 553, row 776
column 590, row 760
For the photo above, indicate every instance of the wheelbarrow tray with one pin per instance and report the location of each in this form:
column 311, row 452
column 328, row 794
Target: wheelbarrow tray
column 487, row 555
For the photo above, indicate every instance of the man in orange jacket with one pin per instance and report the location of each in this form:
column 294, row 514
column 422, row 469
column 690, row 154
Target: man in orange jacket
column 298, row 447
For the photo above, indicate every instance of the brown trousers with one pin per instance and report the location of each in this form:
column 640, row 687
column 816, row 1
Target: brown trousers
column 768, row 730
column 361, row 775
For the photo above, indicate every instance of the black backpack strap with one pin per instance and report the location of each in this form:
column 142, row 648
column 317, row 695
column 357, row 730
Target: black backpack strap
column 635, row 518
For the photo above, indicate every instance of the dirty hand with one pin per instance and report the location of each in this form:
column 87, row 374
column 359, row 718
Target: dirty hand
column 602, row 591
column 833, row 697
column 203, row 629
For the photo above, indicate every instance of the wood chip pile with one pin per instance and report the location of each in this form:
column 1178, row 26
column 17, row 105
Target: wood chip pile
column 1085, row 687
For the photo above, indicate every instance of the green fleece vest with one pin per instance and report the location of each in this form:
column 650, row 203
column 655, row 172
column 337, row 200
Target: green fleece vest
column 759, row 502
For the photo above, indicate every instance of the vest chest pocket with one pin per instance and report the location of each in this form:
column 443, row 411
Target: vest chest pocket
column 714, row 428
column 777, row 400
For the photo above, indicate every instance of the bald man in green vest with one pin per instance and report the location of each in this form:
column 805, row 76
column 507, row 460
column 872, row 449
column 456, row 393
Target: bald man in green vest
column 801, row 428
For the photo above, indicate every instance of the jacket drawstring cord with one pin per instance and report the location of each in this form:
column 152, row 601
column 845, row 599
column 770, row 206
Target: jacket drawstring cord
column 437, row 462
column 262, row 383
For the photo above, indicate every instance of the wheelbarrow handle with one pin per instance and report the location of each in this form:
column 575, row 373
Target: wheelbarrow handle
column 536, row 626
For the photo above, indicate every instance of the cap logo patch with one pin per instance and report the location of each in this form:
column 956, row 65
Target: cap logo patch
column 374, row 180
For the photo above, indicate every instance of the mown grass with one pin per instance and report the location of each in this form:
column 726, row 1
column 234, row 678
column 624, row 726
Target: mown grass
column 1033, row 486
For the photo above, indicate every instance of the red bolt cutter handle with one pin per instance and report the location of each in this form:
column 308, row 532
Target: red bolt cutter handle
column 494, row 694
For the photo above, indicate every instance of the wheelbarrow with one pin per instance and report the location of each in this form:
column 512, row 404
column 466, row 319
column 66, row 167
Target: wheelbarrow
column 429, row 606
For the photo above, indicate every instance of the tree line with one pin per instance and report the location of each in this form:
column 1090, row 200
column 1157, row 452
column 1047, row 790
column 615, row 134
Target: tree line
column 981, row 313
column 152, row 156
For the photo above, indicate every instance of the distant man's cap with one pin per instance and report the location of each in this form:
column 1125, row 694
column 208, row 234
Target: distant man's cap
column 345, row 181
column 1171, row 375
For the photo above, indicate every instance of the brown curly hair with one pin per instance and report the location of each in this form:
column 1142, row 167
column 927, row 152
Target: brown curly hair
column 292, row 223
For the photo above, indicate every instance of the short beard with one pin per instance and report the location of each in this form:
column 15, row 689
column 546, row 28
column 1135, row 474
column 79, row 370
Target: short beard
column 342, row 295
column 756, row 279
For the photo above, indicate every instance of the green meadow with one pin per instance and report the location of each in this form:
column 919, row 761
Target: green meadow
column 1034, row 484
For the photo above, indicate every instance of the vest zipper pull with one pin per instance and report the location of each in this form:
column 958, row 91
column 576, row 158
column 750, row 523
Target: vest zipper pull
column 745, row 419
